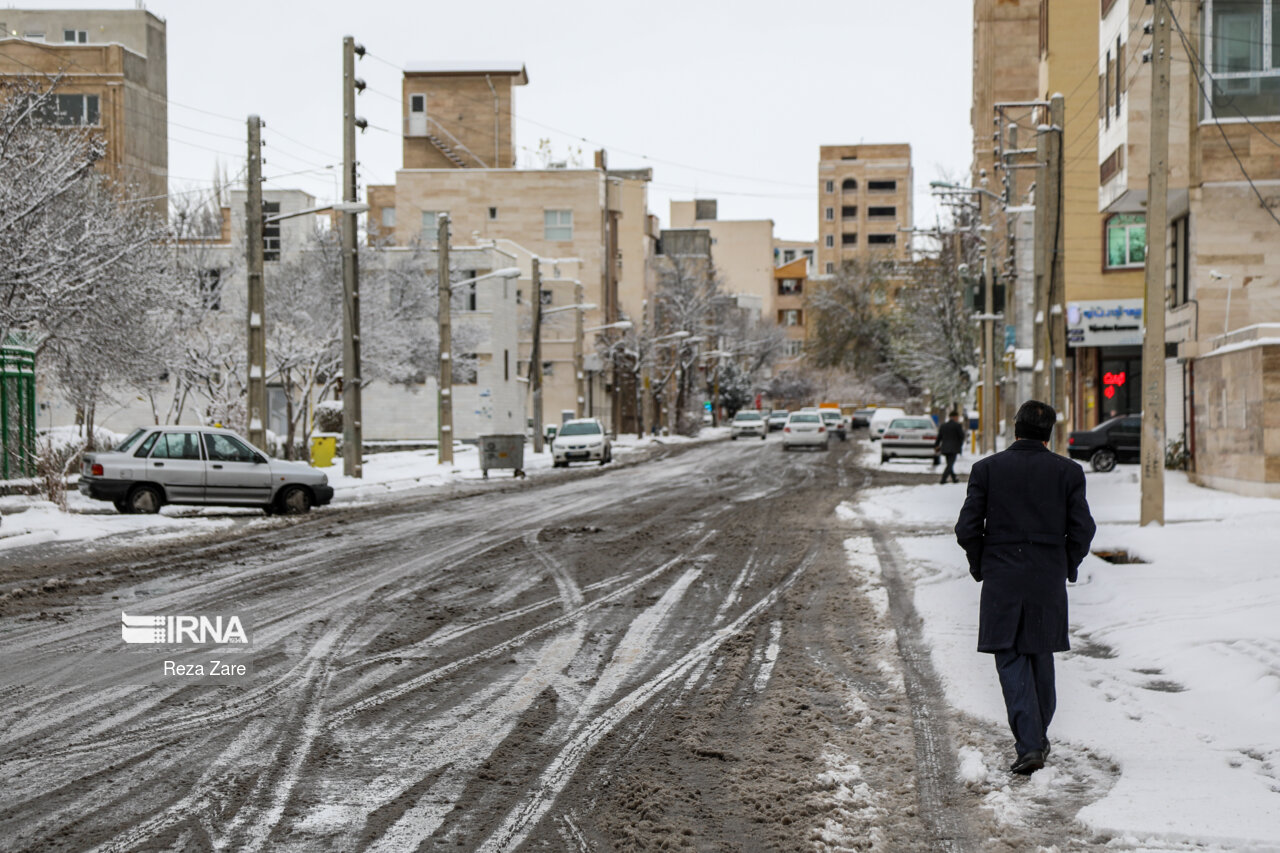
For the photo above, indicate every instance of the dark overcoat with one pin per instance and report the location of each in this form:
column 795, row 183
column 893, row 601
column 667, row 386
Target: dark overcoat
column 950, row 437
column 1025, row 527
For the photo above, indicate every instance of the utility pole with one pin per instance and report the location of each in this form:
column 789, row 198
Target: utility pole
column 1057, row 326
column 444, row 313
column 257, row 307
column 352, row 428
column 578, row 367
column 988, row 413
column 1153, row 307
column 1048, row 224
column 535, row 358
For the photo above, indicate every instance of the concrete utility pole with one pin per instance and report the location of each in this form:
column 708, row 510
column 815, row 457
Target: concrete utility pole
column 257, row 308
column 1048, row 248
column 578, row 367
column 352, row 427
column 1153, row 307
column 535, row 358
column 444, row 315
column 988, row 414
column 1058, row 287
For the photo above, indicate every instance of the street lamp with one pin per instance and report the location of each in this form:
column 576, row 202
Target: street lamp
column 444, row 437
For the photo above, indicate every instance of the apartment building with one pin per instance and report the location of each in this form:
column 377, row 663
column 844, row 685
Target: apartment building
column 741, row 250
column 864, row 203
column 790, row 283
column 1006, row 54
column 114, row 79
column 786, row 251
column 459, row 159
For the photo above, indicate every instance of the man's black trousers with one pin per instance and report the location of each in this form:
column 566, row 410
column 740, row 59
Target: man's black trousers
column 1029, row 696
column 949, row 471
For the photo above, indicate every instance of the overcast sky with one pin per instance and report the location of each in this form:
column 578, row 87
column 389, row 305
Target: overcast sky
column 726, row 100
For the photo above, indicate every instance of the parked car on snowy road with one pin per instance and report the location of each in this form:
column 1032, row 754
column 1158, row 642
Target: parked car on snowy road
column 805, row 429
column 581, row 440
column 881, row 420
column 1116, row 440
column 777, row 419
column 909, row 437
column 161, row 465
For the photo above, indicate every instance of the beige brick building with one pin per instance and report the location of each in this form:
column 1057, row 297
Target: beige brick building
column 114, row 68
column 864, row 200
column 741, row 250
column 588, row 226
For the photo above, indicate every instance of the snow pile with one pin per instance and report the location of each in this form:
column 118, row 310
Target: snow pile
column 973, row 770
column 1174, row 671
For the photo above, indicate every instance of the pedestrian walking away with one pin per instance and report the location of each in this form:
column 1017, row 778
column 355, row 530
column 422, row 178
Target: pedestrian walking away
column 949, row 443
column 1025, row 527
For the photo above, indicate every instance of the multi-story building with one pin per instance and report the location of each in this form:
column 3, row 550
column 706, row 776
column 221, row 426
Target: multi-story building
column 786, row 251
column 459, row 159
column 113, row 74
column 741, row 250
column 790, row 282
column 1006, row 38
column 864, row 204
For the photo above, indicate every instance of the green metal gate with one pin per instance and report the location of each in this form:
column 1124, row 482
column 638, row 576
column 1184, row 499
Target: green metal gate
column 17, row 412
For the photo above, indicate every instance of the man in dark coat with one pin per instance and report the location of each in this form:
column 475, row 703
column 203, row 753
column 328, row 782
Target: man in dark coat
column 949, row 443
column 1025, row 527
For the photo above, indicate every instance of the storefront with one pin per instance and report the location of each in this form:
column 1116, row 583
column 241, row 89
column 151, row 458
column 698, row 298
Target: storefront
column 1105, row 337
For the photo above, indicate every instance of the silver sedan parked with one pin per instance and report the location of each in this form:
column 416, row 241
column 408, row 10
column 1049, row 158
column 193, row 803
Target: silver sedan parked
column 581, row 440
column 162, row 465
column 909, row 437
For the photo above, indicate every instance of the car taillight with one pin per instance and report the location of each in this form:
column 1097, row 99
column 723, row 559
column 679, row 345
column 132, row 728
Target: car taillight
column 929, row 437
column 1071, row 440
column 890, row 435
column 786, row 429
column 822, row 429
column 96, row 470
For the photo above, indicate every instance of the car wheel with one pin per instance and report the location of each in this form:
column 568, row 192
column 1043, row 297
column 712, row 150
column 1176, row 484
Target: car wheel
column 145, row 500
column 734, row 436
column 883, row 459
column 294, row 500
column 763, row 436
column 1103, row 460
column 122, row 507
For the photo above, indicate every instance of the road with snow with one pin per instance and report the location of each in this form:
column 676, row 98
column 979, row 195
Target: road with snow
column 705, row 651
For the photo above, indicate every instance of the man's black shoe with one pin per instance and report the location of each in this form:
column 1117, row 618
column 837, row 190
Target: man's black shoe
column 1046, row 750
column 1028, row 763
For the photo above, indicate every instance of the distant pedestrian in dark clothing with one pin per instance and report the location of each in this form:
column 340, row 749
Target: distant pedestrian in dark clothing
column 949, row 443
column 1025, row 527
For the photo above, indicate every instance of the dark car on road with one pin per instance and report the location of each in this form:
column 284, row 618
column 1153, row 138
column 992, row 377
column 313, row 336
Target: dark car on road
column 1112, row 441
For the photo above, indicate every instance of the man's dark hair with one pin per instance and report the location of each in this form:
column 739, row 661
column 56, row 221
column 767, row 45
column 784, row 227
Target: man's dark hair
column 1035, row 421
column 954, row 415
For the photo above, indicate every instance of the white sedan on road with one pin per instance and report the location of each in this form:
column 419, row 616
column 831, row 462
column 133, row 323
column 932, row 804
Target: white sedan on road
column 581, row 440
column 750, row 423
column 805, row 429
column 909, row 437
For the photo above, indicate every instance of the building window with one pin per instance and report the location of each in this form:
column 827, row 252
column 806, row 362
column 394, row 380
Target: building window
column 830, row 241
column 464, row 297
column 270, row 232
column 848, row 239
column 70, row 110
column 790, row 317
column 548, row 368
column 1242, row 55
column 882, row 239
column 1180, row 260
column 829, row 214
column 1126, row 240
column 849, row 185
column 388, row 218
column 33, row 36
column 464, row 369
column 493, row 213
column 849, row 212
column 789, row 286
column 831, row 268
column 791, row 349
column 546, row 297
column 882, row 186
column 882, row 212
column 830, row 186
column 557, row 225
column 75, row 36
column 788, row 255
column 210, row 283
column 431, row 222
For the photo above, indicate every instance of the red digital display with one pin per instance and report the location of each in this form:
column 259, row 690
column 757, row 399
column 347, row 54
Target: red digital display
column 1110, row 382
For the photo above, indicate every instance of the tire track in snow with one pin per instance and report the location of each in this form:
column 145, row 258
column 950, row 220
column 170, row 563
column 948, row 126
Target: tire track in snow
column 522, row 819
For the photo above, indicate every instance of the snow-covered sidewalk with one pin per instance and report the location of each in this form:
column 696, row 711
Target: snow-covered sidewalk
column 1174, row 674
column 32, row 521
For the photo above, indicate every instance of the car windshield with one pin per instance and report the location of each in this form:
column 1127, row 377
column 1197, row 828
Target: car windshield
column 830, row 416
column 129, row 440
column 911, row 423
column 747, row 416
column 778, row 415
column 580, row 429
column 804, row 418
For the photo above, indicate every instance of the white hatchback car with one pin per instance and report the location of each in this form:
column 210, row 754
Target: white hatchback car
column 749, row 422
column 805, row 429
column 581, row 440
